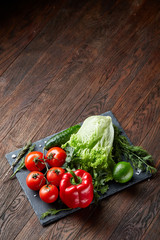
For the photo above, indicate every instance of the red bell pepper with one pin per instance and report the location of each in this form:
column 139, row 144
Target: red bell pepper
column 76, row 189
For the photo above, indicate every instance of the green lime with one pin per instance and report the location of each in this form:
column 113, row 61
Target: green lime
column 122, row 172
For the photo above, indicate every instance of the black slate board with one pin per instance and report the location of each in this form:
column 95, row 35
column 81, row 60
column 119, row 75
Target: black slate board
column 41, row 207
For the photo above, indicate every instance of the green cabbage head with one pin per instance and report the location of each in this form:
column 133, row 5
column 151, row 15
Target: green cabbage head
column 93, row 143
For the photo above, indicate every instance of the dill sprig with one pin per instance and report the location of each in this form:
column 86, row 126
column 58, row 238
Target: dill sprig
column 138, row 156
column 21, row 164
column 21, row 153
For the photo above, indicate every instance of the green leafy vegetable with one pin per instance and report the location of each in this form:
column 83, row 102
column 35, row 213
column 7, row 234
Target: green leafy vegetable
column 93, row 142
column 52, row 211
column 139, row 157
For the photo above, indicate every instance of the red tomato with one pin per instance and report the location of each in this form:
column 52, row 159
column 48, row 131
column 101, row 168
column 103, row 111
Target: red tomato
column 54, row 175
column 35, row 180
column 34, row 161
column 48, row 193
column 56, row 157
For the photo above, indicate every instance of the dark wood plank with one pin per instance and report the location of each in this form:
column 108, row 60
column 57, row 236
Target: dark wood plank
column 95, row 86
column 8, row 220
column 151, row 142
column 141, row 213
column 31, row 54
column 85, row 58
column 66, row 229
column 39, row 67
column 143, row 119
column 138, row 89
column 34, row 231
column 140, row 62
column 21, row 22
column 153, row 230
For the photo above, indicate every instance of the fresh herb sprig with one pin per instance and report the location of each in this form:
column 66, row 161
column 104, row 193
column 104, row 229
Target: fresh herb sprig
column 52, row 212
column 18, row 158
column 139, row 157
column 100, row 183
column 21, row 164
column 21, row 153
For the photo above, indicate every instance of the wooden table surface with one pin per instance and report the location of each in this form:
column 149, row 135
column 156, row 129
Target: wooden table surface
column 60, row 62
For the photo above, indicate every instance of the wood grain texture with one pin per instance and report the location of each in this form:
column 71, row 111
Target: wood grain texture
column 141, row 213
column 147, row 115
column 38, row 63
column 151, row 142
column 8, row 220
column 153, row 230
column 20, row 24
column 60, row 62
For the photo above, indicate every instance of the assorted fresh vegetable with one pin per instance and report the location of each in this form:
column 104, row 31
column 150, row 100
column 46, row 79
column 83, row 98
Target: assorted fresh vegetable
column 80, row 161
column 75, row 188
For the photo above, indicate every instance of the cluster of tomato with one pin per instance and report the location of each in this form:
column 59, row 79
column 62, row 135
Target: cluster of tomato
column 47, row 184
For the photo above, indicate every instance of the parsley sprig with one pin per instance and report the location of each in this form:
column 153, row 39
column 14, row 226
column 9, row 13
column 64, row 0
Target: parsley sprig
column 53, row 211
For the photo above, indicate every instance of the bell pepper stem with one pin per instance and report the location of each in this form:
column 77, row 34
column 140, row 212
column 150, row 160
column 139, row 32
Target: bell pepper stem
column 75, row 180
